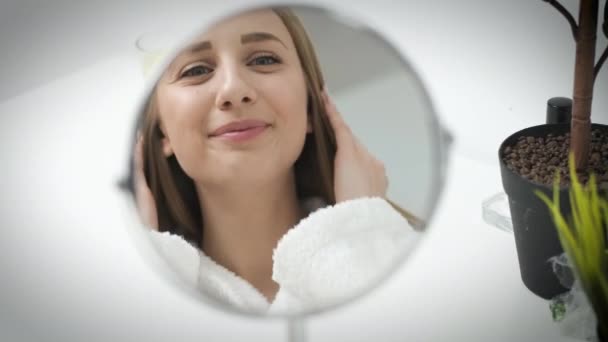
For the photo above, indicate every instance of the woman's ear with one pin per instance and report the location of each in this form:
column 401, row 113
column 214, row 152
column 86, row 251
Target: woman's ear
column 167, row 149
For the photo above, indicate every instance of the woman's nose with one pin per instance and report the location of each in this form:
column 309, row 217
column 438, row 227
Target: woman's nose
column 234, row 90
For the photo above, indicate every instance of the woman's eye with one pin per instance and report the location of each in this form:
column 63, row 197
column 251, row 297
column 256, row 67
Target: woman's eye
column 264, row 60
column 198, row 70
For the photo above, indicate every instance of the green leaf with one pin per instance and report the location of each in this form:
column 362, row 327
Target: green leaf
column 584, row 240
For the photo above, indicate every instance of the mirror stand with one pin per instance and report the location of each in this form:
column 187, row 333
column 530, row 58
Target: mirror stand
column 296, row 329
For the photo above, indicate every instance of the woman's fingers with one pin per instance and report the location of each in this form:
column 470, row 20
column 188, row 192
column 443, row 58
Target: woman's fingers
column 143, row 196
column 138, row 154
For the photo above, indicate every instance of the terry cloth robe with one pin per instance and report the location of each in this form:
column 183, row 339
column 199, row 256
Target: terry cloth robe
column 333, row 254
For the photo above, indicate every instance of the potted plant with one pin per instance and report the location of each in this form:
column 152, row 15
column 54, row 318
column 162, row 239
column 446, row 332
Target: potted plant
column 582, row 234
column 530, row 157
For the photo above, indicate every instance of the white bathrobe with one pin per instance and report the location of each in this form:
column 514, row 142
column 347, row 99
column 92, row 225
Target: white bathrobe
column 332, row 255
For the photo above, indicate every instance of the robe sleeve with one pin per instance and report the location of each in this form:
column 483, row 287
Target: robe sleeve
column 339, row 251
column 181, row 257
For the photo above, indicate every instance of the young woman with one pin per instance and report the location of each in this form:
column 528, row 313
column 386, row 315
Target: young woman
column 261, row 195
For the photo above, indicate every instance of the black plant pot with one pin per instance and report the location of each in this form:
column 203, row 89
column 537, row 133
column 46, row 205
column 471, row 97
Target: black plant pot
column 536, row 237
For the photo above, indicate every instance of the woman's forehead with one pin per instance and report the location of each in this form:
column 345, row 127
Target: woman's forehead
column 239, row 26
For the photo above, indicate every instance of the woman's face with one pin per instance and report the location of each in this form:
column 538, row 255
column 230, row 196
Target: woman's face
column 245, row 73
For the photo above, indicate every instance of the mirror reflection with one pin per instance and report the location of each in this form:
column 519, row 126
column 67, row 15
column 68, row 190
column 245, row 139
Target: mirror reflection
column 285, row 161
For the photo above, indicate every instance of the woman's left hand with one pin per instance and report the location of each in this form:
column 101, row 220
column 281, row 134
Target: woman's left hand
column 357, row 173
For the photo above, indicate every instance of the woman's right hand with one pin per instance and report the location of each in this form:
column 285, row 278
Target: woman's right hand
column 144, row 199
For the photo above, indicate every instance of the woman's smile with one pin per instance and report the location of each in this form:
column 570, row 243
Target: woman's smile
column 242, row 135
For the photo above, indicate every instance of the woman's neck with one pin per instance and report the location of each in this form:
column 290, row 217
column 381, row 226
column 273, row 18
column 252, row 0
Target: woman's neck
column 242, row 226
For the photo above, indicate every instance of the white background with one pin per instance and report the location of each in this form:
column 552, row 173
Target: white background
column 69, row 269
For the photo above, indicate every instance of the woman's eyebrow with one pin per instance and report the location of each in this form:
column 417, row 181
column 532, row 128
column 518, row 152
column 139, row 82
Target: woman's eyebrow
column 200, row 46
column 259, row 36
column 189, row 50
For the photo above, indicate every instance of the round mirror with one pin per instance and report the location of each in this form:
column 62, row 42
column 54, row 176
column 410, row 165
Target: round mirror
column 285, row 160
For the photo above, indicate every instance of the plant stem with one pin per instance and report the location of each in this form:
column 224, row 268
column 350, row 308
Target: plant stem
column 566, row 14
column 605, row 24
column 600, row 61
column 580, row 131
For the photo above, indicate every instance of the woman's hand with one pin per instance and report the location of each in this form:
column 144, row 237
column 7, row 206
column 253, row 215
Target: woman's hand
column 357, row 173
column 143, row 196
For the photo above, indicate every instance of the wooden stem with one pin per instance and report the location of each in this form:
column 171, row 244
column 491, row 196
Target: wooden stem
column 600, row 62
column 566, row 14
column 605, row 24
column 580, row 131
column 604, row 55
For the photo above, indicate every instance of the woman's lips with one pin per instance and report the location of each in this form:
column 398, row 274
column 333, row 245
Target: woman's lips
column 246, row 134
column 240, row 130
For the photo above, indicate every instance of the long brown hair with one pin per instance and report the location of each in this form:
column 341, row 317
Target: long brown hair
column 177, row 203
